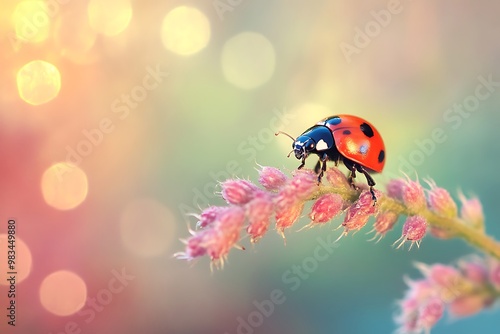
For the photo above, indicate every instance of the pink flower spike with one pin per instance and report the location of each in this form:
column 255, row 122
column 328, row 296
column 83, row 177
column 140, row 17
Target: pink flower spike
column 238, row 192
column 358, row 214
column 414, row 230
column 259, row 212
column 384, row 222
column 326, row 207
column 440, row 201
column 430, row 314
column 413, row 195
column 449, row 280
column 272, row 178
column 336, row 178
column 472, row 211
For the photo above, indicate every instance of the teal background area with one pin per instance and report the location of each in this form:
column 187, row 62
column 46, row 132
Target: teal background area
column 197, row 128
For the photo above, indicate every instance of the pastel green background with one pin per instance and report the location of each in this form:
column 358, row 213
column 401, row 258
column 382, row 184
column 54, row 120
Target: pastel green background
column 197, row 127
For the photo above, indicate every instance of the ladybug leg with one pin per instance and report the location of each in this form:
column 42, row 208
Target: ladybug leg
column 322, row 162
column 369, row 180
column 352, row 176
column 317, row 167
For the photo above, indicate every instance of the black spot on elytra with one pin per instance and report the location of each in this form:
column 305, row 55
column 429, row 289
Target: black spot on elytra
column 381, row 156
column 367, row 130
column 346, row 132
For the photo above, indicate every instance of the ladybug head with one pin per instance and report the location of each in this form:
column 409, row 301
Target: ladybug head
column 314, row 140
column 302, row 146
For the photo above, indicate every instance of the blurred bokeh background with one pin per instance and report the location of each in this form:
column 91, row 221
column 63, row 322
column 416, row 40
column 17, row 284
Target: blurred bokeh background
column 118, row 117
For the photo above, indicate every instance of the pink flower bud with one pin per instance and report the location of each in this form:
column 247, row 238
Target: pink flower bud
column 326, row 207
column 336, row 178
column 395, row 188
column 286, row 216
column 440, row 201
column 414, row 230
column 259, row 212
column 358, row 214
column 238, row 191
column 471, row 211
column 207, row 216
column 228, row 226
column 384, row 222
column 467, row 305
column 413, row 195
column 195, row 246
column 272, row 178
column 430, row 313
column 303, row 184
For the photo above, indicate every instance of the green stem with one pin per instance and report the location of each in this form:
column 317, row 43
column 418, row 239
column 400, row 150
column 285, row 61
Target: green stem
column 454, row 226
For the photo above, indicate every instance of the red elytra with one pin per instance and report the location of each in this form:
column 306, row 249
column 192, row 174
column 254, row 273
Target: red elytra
column 357, row 140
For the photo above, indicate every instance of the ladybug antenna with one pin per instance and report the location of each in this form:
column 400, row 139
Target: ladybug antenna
column 284, row 133
column 288, row 156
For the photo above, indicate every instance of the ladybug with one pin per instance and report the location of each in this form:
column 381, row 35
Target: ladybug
column 346, row 138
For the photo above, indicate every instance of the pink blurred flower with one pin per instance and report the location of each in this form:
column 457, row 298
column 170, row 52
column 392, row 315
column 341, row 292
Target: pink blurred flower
column 444, row 286
column 441, row 233
column 384, row 222
column 440, row 201
column 467, row 305
column 395, row 188
column 471, row 211
column 413, row 196
column 494, row 273
column 430, row 313
column 474, row 270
